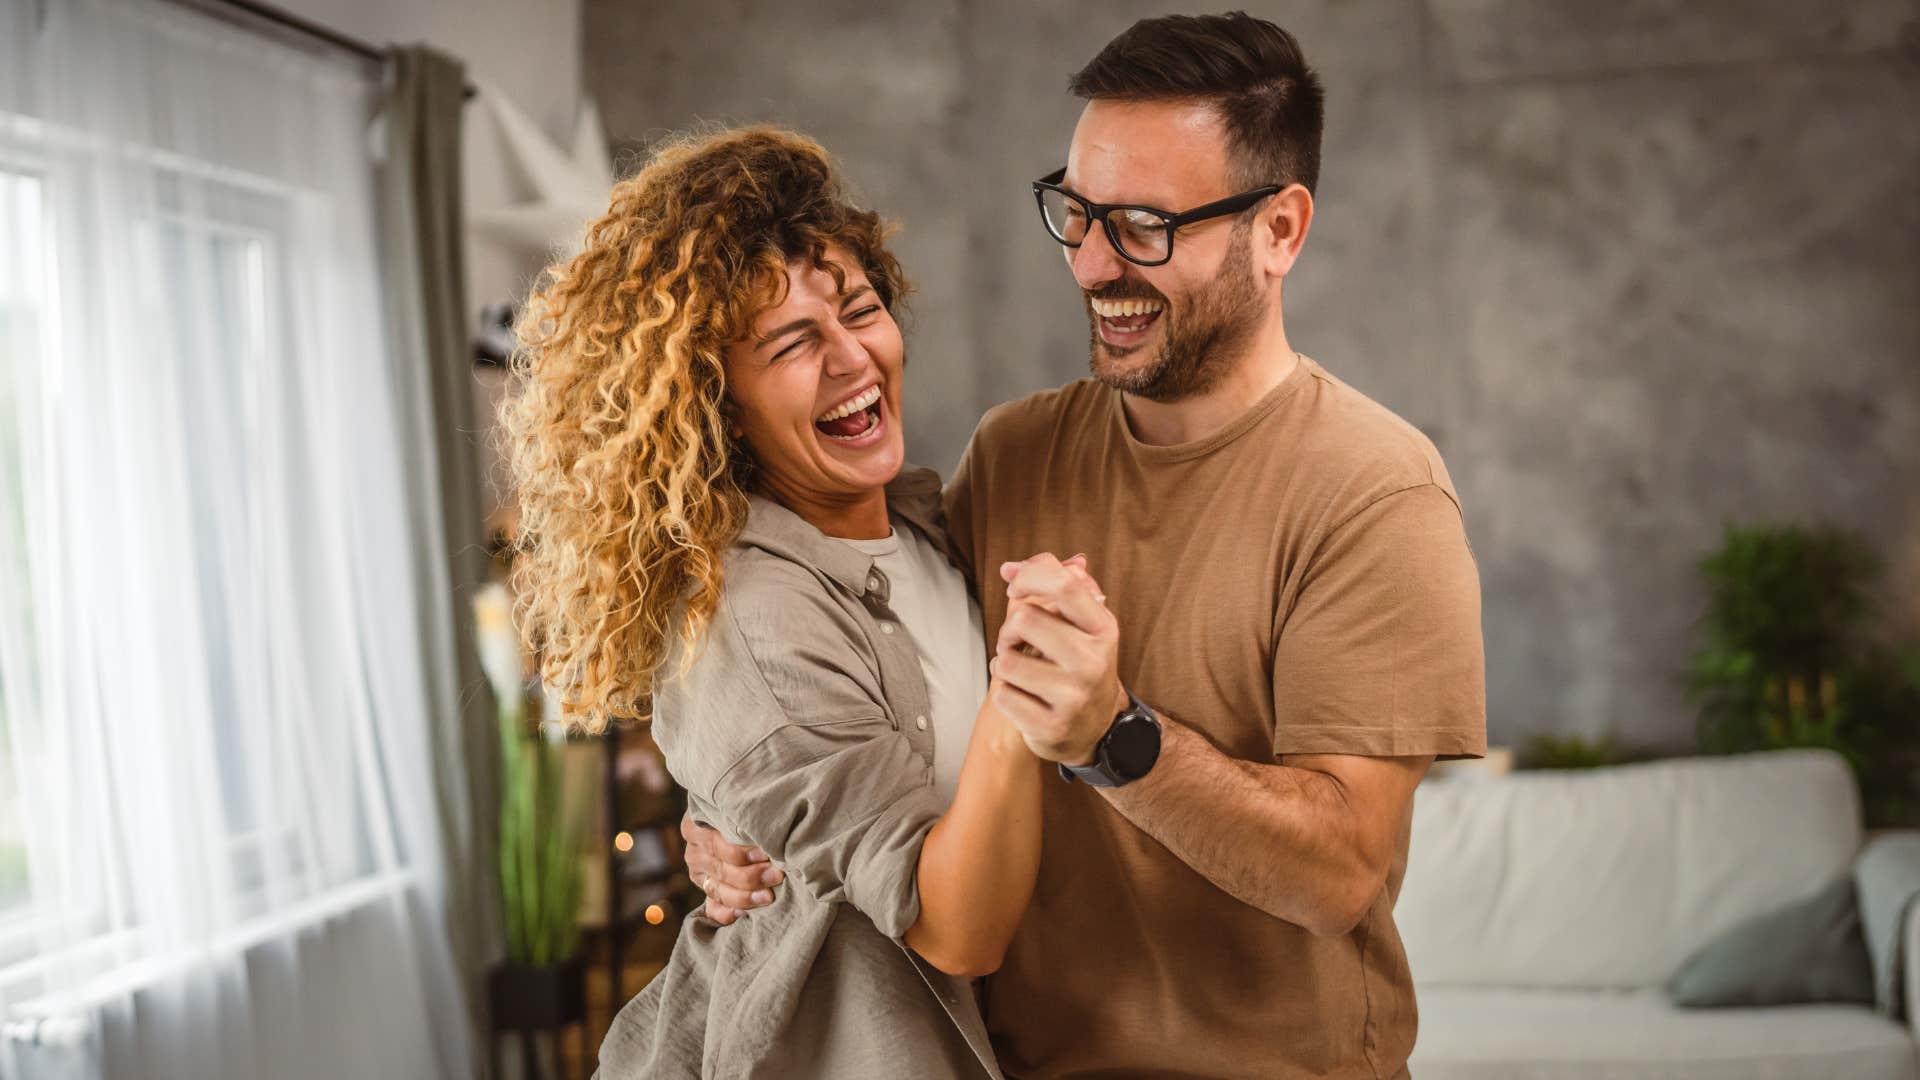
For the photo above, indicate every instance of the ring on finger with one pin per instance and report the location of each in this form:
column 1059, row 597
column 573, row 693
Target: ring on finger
column 706, row 883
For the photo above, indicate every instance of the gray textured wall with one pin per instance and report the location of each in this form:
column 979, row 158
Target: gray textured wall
column 1637, row 268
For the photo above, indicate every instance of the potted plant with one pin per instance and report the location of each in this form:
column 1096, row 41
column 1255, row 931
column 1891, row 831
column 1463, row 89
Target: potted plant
column 541, row 986
column 1791, row 658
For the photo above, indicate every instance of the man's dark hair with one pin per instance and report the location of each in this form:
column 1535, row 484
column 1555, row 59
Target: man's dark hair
column 1249, row 69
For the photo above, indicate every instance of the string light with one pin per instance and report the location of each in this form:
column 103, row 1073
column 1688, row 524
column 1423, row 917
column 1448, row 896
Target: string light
column 623, row 841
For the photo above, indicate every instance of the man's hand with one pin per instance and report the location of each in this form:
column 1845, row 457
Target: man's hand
column 736, row 879
column 1056, row 658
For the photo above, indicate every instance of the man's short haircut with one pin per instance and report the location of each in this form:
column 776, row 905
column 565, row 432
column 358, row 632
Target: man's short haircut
column 1249, row 69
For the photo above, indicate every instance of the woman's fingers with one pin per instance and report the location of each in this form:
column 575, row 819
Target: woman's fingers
column 1066, row 588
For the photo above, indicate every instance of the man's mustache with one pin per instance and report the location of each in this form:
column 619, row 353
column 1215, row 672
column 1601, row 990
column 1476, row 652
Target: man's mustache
column 1123, row 290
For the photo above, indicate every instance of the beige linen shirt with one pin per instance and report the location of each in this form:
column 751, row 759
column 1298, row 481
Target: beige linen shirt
column 803, row 726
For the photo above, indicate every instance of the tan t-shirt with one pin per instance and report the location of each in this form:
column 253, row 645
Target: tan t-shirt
column 1297, row 583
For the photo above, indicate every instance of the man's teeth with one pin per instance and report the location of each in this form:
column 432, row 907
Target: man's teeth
column 861, row 401
column 1117, row 309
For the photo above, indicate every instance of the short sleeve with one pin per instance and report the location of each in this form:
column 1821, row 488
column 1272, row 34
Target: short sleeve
column 829, row 787
column 1380, row 654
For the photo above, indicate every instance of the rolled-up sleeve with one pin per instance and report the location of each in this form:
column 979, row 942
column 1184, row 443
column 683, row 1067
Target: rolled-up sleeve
column 827, row 785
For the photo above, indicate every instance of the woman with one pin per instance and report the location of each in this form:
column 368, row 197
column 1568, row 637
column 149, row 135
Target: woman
column 716, row 518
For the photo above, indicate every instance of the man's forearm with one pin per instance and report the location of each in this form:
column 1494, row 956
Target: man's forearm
column 1284, row 840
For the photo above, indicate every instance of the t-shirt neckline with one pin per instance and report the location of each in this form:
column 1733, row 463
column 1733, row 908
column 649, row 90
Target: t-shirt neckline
column 885, row 545
column 1238, row 426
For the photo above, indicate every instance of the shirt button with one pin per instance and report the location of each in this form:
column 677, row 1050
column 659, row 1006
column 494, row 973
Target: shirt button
column 886, row 628
column 873, row 581
column 920, row 722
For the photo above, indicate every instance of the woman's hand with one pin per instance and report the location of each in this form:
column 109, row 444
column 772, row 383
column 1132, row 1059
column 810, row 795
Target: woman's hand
column 736, row 879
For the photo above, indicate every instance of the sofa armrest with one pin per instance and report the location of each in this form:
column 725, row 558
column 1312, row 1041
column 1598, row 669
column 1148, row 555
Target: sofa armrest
column 1910, row 955
column 1886, row 880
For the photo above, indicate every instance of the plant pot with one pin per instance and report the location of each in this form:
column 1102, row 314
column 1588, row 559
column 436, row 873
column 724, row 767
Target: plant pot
column 525, row 998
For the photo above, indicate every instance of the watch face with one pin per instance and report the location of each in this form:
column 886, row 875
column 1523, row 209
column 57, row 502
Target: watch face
column 1133, row 746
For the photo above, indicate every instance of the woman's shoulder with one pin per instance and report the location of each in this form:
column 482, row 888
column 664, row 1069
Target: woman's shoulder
column 779, row 650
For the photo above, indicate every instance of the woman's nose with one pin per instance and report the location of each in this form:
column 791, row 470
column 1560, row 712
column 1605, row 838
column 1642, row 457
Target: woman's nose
column 845, row 354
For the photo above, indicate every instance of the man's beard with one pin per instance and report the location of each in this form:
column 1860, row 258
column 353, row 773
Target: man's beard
column 1201, row 345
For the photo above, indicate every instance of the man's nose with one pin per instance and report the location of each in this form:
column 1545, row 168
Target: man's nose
column 1094, row 262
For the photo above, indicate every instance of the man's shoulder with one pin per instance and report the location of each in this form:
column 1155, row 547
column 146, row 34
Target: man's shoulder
column 1364, row 447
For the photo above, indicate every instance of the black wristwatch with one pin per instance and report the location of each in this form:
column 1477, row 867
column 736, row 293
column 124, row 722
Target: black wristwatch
column 1125, row 753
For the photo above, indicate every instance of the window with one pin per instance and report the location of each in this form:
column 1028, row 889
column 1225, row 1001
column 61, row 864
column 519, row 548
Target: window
column 22, row 310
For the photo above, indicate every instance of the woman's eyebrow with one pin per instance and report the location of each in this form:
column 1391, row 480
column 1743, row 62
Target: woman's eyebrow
column 788, row 328
column 856, row 294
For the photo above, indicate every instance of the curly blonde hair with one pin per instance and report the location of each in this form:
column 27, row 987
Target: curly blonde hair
column 617, row 424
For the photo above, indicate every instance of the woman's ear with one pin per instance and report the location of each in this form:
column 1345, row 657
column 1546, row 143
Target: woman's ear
column 731, row 414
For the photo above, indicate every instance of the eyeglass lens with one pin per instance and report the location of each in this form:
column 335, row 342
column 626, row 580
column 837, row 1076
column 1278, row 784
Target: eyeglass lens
column 1141, row 235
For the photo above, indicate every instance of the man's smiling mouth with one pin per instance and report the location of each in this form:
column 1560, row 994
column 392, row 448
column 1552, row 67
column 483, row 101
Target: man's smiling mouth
column 1124, row 322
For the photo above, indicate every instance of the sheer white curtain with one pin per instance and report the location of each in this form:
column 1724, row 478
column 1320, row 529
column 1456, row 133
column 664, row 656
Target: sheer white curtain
column 218, row 855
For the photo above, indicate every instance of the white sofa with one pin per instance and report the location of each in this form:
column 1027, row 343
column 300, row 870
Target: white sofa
column 1544, row 912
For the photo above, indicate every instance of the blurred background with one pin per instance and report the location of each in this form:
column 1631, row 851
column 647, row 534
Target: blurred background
column 1648, row 274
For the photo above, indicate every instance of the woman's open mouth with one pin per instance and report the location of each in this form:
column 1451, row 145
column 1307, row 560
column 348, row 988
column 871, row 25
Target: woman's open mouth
column 855, row 421
column 1125, row 322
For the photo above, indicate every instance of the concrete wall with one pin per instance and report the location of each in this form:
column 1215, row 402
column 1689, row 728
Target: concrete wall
column 1636, row 269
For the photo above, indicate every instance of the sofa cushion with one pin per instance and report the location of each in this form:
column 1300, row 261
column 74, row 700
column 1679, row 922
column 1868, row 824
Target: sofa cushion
column 1807, row 952
column 1609, row 878
column 1492, row 1034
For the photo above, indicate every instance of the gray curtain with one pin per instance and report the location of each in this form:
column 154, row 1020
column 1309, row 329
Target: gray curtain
column 427, row 313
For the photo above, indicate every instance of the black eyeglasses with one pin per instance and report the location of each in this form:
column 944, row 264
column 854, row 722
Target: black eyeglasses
column 1142, row 235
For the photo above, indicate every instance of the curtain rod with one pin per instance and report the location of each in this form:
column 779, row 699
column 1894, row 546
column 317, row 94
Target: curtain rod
column 304, row 27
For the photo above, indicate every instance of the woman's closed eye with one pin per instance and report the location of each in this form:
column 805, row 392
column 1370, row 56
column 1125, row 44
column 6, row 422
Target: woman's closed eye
column 857, row 318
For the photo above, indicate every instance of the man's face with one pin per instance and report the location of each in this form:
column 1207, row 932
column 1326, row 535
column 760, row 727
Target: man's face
column 1190, row 317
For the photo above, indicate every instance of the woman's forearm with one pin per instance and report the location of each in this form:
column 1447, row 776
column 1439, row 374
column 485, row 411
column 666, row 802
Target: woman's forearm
column 978, row 863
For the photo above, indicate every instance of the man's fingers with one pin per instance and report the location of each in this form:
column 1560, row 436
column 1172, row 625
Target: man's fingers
column 739, row 899
column 1026, row 712
column 700, row 836
column 1058, row 639
column 1041, row 679
column 721, row 913
column 741, row 879
column 734, row 854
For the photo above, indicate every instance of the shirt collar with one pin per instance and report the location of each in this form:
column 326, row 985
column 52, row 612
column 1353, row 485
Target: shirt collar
column 913, row 497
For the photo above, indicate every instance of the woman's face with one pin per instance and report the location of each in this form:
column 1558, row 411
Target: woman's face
column 816, row 385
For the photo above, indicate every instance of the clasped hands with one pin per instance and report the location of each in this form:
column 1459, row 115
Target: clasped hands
column 1055, row 680
column 1055, row 663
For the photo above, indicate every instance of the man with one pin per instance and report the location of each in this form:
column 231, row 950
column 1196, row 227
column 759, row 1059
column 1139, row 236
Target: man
column 1289, row 633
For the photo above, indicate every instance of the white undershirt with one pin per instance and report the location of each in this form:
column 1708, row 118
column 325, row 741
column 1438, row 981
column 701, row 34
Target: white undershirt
column 930, row 597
